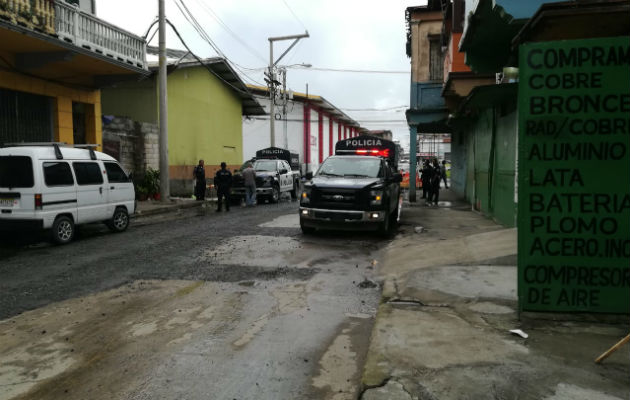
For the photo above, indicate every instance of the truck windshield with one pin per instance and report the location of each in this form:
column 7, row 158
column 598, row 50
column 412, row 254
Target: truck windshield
column 16, row 172
column 351, row 166
column 265, row 165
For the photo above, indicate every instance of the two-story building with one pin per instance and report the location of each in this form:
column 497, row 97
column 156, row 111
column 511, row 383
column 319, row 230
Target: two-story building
column 54, row 58
column 427, row 114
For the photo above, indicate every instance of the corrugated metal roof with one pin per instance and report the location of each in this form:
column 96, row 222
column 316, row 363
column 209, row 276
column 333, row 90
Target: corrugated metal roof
column 319, row 101
column 222, row 70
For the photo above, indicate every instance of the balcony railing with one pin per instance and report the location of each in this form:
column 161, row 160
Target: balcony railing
column 72, row 25
column 87, row 31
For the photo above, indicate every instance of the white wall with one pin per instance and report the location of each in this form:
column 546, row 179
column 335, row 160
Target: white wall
column 256, row 132
column 314, row 141
column 335, row 135
column 326, row 125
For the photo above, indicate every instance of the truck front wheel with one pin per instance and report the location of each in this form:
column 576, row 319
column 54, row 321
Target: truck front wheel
column 385, row 228
column 275, row 194
column 307, row 230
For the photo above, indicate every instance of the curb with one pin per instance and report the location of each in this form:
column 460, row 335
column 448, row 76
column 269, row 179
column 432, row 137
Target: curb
column 170, row 208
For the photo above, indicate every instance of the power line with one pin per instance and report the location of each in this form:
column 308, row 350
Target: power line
column 213, row 14
column 295, row 15
column 360, row 71
column 204, row 35
column 200, row 61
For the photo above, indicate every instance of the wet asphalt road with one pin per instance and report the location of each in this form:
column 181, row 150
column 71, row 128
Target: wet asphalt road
column 292, row 319
column 35, row 272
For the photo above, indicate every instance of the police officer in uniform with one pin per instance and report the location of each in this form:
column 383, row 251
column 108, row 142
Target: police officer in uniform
column 223, row 183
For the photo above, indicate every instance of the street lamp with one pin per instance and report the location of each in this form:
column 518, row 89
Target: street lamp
column 272, row 78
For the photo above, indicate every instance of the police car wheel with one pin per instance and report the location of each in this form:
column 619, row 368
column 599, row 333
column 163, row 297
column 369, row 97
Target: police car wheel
column 62, row 231
column 294, row 192
column 275, row 194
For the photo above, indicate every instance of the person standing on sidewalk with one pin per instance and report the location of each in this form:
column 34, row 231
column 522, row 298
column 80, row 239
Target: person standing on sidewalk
column 199, row 173
column 249, row 177
column 434, row 183
column 444, row 174
column 223, row 183
column 425, row 178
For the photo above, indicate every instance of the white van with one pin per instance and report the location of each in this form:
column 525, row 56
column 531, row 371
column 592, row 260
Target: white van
column 55, row 187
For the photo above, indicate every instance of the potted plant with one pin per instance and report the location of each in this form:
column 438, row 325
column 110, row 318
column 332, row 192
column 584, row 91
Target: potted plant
column 152, row 183
column 142, row 193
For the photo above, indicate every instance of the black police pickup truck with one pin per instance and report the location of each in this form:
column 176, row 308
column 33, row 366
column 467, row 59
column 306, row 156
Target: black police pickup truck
column 277, row 171
column 357, row 188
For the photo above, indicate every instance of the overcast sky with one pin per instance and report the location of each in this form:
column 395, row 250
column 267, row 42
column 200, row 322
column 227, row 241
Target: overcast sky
column 344, row 34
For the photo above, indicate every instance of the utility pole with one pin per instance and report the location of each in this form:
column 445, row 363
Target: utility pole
column 272, row 78
column 165, row 190
column 285, row 101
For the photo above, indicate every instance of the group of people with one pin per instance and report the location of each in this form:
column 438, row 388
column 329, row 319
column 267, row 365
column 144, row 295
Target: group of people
column 432, row 174
column 223, row 184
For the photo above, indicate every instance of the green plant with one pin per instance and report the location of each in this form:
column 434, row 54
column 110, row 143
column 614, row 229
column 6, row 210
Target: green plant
column 141, row 192
column 151, row 181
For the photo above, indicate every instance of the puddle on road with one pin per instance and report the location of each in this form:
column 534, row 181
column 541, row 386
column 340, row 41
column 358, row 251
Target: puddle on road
column 285, row 221
column 253, row 250
column 269, row 252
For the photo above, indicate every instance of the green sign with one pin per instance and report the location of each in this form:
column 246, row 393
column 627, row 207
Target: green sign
column 574, row 176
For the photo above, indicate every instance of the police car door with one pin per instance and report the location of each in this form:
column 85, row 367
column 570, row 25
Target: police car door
column 282, row 176
column 391, row 187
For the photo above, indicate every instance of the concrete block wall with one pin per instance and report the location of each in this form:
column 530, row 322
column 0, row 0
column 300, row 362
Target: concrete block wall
column 134, row 144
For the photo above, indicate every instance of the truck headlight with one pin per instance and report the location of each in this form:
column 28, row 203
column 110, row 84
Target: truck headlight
column 376, row 197
column 305, row 198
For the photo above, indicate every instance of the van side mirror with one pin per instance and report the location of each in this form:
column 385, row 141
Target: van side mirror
column 309, row 176
column 283, row 171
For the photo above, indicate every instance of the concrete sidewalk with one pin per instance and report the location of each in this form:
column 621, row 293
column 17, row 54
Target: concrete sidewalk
column 449, row 300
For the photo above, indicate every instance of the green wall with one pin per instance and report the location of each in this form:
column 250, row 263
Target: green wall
column 503, row 204
column 204, row 119
column 486, row 150
column 204, row 116
column 482, row 136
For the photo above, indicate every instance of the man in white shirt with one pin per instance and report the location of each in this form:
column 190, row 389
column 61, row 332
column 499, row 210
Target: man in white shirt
column 249, row 177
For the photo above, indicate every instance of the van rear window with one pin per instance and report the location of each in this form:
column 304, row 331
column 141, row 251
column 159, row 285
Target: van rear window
column 16, row 172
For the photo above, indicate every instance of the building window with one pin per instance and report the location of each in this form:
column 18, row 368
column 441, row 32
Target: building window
column 436, row 62
column 25, row 117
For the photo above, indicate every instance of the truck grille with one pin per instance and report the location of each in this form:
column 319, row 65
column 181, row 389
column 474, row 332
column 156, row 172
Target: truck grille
column 345, row 199
column 337, row 216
